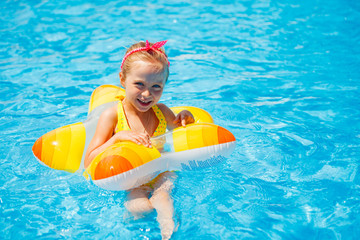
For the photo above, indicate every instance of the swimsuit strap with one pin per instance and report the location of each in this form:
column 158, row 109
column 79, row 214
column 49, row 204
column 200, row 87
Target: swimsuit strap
column 161, row 128
column 122, row 124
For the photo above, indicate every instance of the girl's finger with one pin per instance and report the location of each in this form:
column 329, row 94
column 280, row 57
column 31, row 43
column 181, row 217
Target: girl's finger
column 137, row 139
column 145, row 140
column 183, row 121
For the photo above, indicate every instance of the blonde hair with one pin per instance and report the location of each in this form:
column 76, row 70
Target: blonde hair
column 156, row 56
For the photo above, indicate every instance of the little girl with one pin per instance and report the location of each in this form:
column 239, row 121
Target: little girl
column 137, row 117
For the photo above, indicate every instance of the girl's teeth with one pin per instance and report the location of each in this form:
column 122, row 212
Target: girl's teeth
column 143, row 101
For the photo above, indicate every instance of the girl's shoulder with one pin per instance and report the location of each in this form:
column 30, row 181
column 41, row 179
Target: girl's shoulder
column 110, row 114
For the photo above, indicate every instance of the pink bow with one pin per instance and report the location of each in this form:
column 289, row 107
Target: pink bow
column 155, row 45
column 147, row 47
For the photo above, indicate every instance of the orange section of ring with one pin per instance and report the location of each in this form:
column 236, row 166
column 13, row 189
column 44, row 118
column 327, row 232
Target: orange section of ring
column 111, row 166
column 37, row 148
column 48, row 146
column 119, row 158
column 225, row 135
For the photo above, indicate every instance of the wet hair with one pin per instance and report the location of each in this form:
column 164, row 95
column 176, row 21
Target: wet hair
column 157, row 56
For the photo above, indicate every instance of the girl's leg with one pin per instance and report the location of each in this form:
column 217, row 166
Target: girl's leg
column 163, row 203
column 138, row 202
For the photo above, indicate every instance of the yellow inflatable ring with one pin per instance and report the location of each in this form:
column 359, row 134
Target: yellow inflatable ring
column 126, row 165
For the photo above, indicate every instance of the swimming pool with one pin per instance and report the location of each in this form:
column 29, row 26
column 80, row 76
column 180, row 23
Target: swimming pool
column 282, row 76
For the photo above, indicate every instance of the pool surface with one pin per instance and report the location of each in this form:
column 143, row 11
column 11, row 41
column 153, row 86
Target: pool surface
column 283, row 76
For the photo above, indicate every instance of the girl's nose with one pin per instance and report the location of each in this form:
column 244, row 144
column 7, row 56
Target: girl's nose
column 146, row 93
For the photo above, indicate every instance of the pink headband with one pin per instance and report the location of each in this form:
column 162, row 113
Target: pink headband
column 154, row 47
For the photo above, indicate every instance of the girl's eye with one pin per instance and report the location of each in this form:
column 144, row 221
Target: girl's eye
column 156, row 86
column 139, row 84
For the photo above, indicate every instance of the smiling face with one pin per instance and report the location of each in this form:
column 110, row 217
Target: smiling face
column 144, row 84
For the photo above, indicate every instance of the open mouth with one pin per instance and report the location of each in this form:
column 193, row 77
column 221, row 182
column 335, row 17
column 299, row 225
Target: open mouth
column 144, row 103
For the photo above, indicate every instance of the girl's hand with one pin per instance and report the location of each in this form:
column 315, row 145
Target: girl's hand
column 184, row 117
column 138, row 138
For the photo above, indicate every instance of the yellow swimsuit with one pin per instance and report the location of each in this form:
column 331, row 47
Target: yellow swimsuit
column 122, row 124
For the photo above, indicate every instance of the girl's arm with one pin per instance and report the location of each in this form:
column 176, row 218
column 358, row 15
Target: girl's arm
column 181, row 119
column 104, row 135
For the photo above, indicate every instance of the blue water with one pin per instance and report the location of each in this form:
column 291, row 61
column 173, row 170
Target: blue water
column 282, row 75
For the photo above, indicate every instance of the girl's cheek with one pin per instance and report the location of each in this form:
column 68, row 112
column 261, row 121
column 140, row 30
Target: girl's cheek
column 157, row 93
